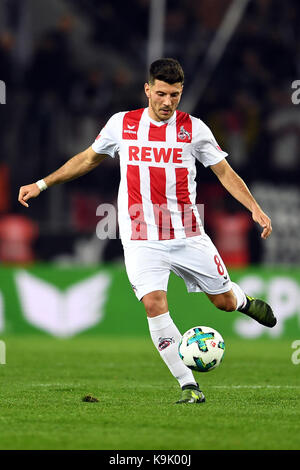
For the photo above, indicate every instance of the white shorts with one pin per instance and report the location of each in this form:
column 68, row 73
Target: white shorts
column 195, row 259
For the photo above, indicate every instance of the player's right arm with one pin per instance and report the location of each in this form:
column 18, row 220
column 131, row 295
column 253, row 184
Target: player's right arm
column 76, row 166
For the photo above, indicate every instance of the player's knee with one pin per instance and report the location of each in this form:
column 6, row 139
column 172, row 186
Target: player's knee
column 154, row 308
column 155, row 304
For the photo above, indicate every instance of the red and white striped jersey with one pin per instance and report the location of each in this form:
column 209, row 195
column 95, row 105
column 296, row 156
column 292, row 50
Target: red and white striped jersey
column 157, row 192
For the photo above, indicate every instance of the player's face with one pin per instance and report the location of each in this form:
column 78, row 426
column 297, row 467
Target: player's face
column 163, row 99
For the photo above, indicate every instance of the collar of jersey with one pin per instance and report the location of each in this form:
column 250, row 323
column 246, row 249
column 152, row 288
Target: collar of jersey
column 160, row 123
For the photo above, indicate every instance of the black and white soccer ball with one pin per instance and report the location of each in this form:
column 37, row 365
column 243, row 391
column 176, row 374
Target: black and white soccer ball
column 201, row 348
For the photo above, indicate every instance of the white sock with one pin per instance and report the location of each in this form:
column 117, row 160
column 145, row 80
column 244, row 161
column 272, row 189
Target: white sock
column 240, row 296
column 166, row 336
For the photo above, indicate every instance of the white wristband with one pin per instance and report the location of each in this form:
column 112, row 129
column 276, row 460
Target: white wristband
column 41, row 185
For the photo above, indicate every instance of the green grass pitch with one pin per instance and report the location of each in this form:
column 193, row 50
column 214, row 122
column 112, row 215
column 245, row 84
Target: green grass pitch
column 253, row 398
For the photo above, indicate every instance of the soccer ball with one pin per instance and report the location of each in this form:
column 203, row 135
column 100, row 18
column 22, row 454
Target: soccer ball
column 201, row 348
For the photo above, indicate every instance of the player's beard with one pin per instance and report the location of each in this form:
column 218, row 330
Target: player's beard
column 157, row 110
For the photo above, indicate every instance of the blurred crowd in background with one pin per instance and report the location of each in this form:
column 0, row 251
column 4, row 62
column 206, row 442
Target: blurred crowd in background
column 69, row 65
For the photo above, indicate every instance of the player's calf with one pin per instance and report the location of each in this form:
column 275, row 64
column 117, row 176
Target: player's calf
column 225, row 301
column 236, row 299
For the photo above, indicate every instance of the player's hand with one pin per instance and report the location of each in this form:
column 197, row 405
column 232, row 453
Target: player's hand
column 263, row 220
column 27, row 192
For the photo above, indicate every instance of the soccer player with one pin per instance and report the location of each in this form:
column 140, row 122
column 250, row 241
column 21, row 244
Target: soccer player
column 159, row 224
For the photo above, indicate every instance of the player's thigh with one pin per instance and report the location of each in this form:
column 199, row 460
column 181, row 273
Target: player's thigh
column 201, row 267
column 147, row 267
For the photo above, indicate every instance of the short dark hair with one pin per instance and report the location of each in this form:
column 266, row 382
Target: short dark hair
column 166, row 70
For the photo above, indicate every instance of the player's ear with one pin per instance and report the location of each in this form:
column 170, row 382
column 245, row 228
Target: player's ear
column 147, row 89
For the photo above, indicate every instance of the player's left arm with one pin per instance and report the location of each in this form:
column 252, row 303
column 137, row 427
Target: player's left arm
column 239, row 190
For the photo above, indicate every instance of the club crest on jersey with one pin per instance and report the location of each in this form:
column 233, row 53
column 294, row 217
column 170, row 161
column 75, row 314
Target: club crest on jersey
column 183, row 134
